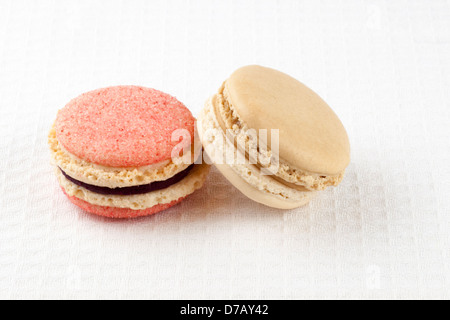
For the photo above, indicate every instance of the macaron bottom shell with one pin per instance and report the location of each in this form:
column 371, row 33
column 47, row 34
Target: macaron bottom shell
column 262, row 197
column 119, row 213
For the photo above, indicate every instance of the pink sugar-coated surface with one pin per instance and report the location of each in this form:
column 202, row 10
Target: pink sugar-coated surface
column 125, row 126
column 119, row 213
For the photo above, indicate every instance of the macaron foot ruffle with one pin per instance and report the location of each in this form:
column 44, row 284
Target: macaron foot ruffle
column 119, row 213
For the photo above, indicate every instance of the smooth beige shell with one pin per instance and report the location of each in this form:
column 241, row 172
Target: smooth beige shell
column 312, row 138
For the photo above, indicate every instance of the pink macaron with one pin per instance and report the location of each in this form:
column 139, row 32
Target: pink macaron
column 126, row 151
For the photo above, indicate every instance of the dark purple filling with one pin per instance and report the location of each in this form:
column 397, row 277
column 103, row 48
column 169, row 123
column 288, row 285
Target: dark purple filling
column 129, row 191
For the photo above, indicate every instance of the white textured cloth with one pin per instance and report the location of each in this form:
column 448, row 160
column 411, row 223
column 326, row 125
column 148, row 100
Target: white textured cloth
column 383, row 66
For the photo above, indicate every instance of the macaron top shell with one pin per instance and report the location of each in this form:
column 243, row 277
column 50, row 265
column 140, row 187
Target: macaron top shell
column 311, row 136
column 124, row 126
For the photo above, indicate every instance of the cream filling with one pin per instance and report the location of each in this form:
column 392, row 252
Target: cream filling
column 188, row 185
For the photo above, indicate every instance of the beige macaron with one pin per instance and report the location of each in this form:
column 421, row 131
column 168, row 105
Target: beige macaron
column 273, row 138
